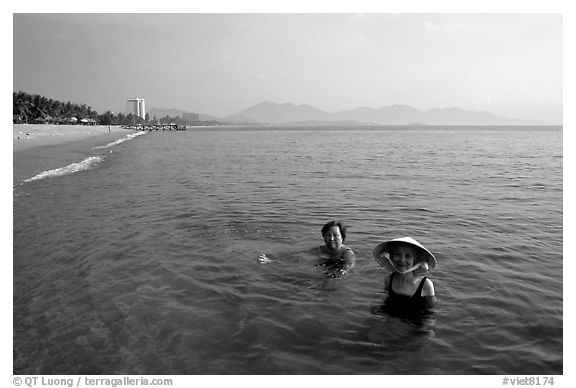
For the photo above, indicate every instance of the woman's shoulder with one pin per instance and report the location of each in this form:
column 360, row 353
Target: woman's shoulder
column 347, row 253
column 427, row 287
column 346, row 249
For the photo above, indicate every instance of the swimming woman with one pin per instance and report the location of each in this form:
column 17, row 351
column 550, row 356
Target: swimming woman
column 335, row 257
column 408, row 261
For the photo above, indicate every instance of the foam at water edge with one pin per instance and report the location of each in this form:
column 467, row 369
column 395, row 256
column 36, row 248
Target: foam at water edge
column 71, row 168
column 122, row 140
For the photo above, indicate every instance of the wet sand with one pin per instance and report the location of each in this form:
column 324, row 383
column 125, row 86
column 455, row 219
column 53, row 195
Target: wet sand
column 38, row 148
column 28, row 136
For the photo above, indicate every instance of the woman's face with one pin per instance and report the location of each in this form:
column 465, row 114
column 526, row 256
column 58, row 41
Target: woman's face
column 403, row 257
column 333, row 238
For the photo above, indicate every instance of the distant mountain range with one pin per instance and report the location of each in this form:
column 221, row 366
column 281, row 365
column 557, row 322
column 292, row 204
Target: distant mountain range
column 160, row 112
column 290, row 114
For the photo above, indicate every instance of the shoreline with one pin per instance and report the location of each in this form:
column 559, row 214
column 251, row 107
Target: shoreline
column 29, row 136
column 48, row 147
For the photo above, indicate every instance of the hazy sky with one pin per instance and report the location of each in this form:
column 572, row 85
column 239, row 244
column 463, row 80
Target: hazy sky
column 220, row 64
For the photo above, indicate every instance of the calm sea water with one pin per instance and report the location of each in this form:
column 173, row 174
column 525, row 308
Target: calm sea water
column 142, row 257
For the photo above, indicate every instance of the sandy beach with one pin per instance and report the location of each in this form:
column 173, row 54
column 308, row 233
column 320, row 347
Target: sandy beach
column 27, row 136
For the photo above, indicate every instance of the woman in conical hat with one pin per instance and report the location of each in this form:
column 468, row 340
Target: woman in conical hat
column 407, row 261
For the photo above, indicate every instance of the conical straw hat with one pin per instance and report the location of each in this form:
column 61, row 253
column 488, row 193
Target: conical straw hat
column 382, row 253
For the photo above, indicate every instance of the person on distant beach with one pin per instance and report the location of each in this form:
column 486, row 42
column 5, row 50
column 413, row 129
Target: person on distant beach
column 335, row 258
column 408, row 262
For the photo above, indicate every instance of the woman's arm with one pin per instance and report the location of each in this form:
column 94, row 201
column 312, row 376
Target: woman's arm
column 350, row 259
column 387, row 281
column 265, row 258
column 428, row 293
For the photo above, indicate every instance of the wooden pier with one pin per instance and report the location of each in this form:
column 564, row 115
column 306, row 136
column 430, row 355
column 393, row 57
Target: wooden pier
column 156, row 127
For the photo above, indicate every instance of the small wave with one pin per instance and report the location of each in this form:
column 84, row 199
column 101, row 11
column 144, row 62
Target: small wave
column 122, row 140
column 71, row 168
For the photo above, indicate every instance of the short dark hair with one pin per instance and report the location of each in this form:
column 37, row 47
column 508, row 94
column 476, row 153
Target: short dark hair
column 335, row 223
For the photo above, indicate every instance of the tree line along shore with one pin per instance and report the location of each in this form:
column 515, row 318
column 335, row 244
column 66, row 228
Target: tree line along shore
column 36, row 109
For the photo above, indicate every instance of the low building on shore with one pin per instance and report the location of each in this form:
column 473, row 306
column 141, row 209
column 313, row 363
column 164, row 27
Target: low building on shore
column 88, row 122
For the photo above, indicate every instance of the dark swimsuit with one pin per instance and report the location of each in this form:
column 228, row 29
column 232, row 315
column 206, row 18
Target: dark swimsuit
column 415, row 300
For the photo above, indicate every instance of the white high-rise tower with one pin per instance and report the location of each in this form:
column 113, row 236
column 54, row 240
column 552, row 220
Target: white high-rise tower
column 136, row 106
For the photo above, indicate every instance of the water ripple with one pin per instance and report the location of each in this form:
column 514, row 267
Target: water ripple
column 146, row 263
